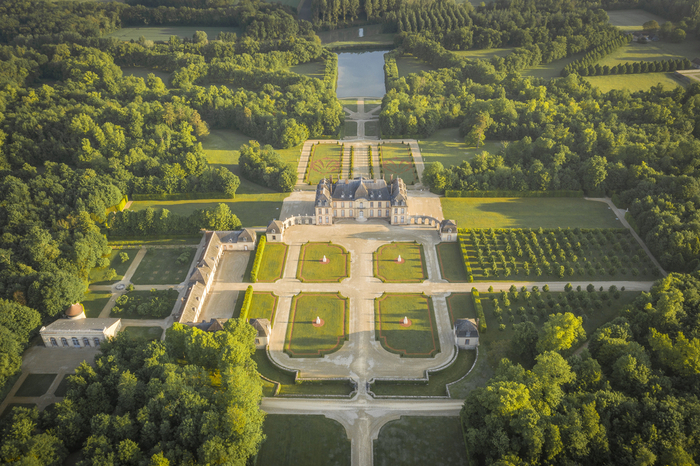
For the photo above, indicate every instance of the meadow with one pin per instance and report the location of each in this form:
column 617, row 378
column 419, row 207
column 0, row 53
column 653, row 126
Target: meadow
column 408, row 64
column 634, row 82
column 448, row 148
column 632, row 20
column 163, row 33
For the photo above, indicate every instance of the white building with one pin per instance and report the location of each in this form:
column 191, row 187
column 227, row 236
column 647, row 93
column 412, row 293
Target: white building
column 79, row 332
column 264, row 329
column 466, row 333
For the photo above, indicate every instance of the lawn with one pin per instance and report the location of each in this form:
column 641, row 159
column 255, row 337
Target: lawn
column 139, row 72
column 36, row 385
column 408, row 64
column 253, row 210
column 535, row 308
column 325, row 162
column 436, row 386
column 632, row 20
column 62, row 388
column 289, row 386
column 451, row 264
column 163, row 299
column 143, row 333
column 94, row 302
column 352, row 34
column 483, row 54
column 372, row 128
column 371, row 104
column 273, row 261
column 305, row 338
column 633, row 82
column 418, row 338
column 551, row 70
column 313, row 269
column 160, row 267
column 350, row 128
column 521, row 212
column 396, row 160
column 164, row 32
column 98, row 276
column 411, row 440
column 263, row 306
column 411, row 269
column 652, row 51
column 445, row 146
column 350, row 104
column 311, row 440
column 314, row 69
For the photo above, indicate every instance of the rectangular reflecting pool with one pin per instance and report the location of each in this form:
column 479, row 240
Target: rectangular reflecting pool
column 361, row 74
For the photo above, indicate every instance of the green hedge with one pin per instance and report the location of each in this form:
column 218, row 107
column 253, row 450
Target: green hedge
column 177, row 196
column 247, row 300
column 465, row 259
column 479, row 310
column 391, row 69
column 330, row 74
column 258, row 259
column 504, row 193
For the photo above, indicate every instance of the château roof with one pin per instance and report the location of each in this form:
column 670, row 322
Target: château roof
column 275, row 226
column 81, row 325
column 446, row 225
column 361, row 188
column 262, row 326
column 466, row 328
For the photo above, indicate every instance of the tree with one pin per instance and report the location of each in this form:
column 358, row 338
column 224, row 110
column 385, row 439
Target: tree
column 477, row 134
column 561, row 332
column 124, row 257
column 434, row 177
column 651, row 26
column 22, row 443
column 53, row 292
column 595, row 172
column 524, row 341
column 200, row 37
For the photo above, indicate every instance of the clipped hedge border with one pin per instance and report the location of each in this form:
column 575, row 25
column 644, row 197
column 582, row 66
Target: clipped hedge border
column 504, row 193
column 479, row 310
column 258, row 259
column 247, row 301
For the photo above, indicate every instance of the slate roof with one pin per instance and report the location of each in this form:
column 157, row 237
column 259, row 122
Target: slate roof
column 361, row 188
column 262, row 326
column 82, row 325
column 447, row 224
column 192, row 301
column 214, row 325
column 275, row 227
column 465, row 328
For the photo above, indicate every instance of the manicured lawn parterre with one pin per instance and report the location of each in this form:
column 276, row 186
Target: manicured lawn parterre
column 413, row 440
column 160, row 267
column 312, row 440
column 396, row 160
column 143, row 333
column 325, row 161
column 36, row 385
column 313, row 269
column 98, row 276
column 436, row 386
column 408, row 64
column 263, row 306
column 62, row 388
column 158, row 304
column 93, row 302
column 306, row 339
column 314, row 69
column 253, row 210
column 411, row 269
column 451, row 264
column 418, row 339
column 164, row 32
column 448, row 148
column 372, row 128
column 371, row 104
column 273, row 261
column 521, row 212
column 350, row 128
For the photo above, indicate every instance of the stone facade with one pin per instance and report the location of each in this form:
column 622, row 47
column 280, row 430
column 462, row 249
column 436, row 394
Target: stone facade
column 79, row 332
column 466, row 333
column 448, row 230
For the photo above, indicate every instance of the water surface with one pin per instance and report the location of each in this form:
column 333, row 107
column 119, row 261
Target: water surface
column 361, row 74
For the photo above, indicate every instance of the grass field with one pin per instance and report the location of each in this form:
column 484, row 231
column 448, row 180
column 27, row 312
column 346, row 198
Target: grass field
column 313, row 269
column 350, row 104
column 98, row 276
column 528, row 213
column 144, row 72
column 164, row 32
column 551, row 70
column 350, row 128
column 371, row 104
column 263, row 306
column 483, row 54
column 445, row 146
column 36, row 385
column 253, row 210
column 314, row 69
column 94, row 302
column 311, row 440
column 62, row 388
column 436, row 386
column 451, row 264
column 160, row 267
column 143, row 333
column 632, row 20
column 396, row 159
column 408, row 64
column 634, row 82
column 653, row 51
column 413, row 440
column 351, row 34
column 411, row 269
column 326, row 161
column 288, row 386
column 166, row 300
column 418, row 339
column 372, row 128
column 304, row 339
column 273, row 261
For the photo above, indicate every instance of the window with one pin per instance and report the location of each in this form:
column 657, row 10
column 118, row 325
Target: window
column 395, row 221
column 342, row 213
column 402, row 211
column 371, row 213
column 466, row 342
column 97, row 341
column 387, row 212
column 350, row 214
column 327, row 220
column 326, row 211
column 320, row 220
column 86, row 342
column 402, row 219
column 274, row 237
column 76, row 343
column 379, row 204
column 362, row 205
column 396, row 211
column 54, row 342
column 371, row 204
column 342, row 205
column 64, row 342
column 335, row 213
column 335, row 204
column 257, row 341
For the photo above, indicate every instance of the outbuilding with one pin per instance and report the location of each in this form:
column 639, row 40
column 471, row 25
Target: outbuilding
column 466, row 333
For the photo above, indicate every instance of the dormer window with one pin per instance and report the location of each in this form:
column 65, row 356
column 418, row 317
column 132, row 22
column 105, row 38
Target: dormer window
column 342, row 195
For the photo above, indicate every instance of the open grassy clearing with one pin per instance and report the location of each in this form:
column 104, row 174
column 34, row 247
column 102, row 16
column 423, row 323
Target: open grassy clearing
column 160, row 267
column 144, row 72
column 436, row 386
column 372, row 128
column 418, row 338
column 551, row 70
column 451, row 264
column 408, row 64
column 325, row 161
column 652, row 51
column 98, row 276
column 307, row 339
column 94, row 302
column 483, row 54
column 535, row 308
column 413, row 440
column 411, row 269
column 312, row 440
column 288, row 386
column 253, row 210
column 558, row 255
column 263, row 306
column 273, row 261
column 162, row 300
column 314, row 69
column 445, row 146
column 143, row 333
column 632, row 20
column 522, row 212
column 36, row 385
column 396, row 160
column 164, row 32
column 351, row 34
column 313, row 269
column 634, row 82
